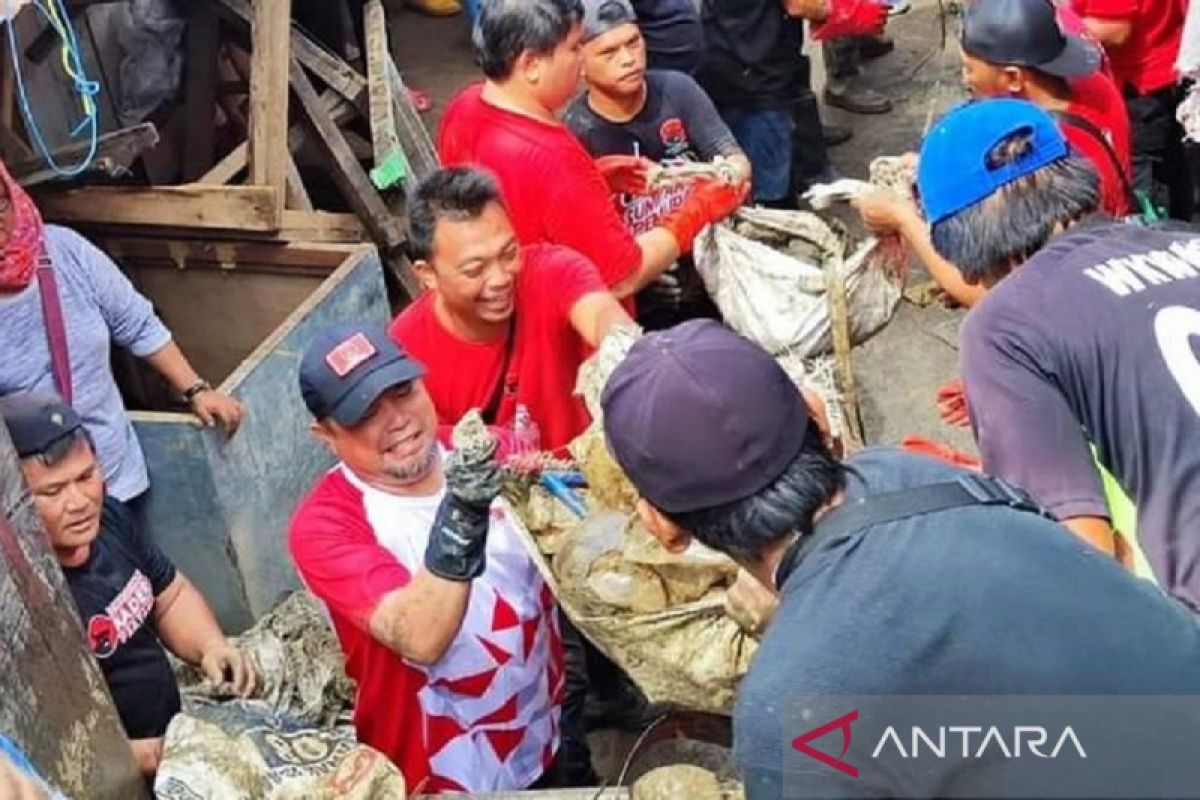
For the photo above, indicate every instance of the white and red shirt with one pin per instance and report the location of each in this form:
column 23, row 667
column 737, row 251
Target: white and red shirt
column 484, row 718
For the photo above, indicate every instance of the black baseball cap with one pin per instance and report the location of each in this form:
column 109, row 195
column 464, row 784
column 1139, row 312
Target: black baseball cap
column 698, row 416
column 348, row 366
column 1026, row 33
column 36, row 420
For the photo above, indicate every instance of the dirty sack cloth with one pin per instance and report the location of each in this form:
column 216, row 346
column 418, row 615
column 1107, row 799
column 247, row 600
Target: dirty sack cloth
column 766, row 273
column 294, row 740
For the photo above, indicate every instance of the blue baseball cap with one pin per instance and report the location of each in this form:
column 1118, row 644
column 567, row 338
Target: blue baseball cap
column 348, row 366
column 698, row 416
column 36, row 420
column 954, row 171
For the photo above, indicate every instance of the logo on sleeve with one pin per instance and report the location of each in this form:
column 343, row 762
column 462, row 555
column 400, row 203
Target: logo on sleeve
column 123, row 617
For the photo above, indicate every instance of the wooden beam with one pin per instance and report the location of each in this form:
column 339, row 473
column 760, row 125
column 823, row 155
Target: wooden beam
column 391, row 165
column 297, row 195
column 349, row 175
column 217, row 254
column 251, row 208
column 200, row 89
column 414, row 138
column 269, row 60
column 228, row 167
column 115, row 153
column 332, row 70
column 321, row 226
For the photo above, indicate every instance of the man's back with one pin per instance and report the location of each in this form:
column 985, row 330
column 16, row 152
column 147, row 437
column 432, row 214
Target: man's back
column 971, row 601
column 1090, row 343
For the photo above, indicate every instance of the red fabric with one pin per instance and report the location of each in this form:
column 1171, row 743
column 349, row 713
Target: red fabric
column 1097, row 100
column 553, row 189
column 22, row 236
column 546, row 356
column 342, row 563
column 851, row 18
column 1147, row 59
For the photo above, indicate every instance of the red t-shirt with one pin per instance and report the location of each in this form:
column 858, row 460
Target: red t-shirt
column 485, row 717
column 1096, row 99
column 1147, row 59
column 551, row 186
column 547, row 350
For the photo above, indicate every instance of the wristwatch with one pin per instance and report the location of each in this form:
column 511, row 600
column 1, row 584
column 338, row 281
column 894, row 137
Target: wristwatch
column 201, row 385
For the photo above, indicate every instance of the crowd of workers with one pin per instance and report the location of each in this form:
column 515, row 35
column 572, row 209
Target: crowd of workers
column 1037, row 205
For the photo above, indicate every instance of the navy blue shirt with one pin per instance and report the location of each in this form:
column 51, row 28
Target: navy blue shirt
column 115, row 590
column 673, row 33
column 980, row 600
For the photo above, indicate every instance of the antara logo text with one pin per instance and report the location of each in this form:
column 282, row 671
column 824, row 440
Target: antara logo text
column 946, row 741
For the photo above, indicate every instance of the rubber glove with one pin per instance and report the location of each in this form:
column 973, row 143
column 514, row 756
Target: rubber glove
column 709, row 201
column 851, row 18
column 457, row 543
column 625, row 174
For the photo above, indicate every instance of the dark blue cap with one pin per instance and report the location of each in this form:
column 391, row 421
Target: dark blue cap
column 36, row 420
column 698, row 416
column 1026, row 33
column 348, row 366
column 954, row 171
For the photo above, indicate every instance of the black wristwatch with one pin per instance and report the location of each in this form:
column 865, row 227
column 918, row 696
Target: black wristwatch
column 201, row 385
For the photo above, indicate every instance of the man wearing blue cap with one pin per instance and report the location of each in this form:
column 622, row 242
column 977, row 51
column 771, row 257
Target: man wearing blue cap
column 1086, row 336
column 897, row 575
column 131, row 599
column 449, row 630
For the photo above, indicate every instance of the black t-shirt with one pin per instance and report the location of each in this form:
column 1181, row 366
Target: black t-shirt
column 673, row 33
column 1096, row 341
column 973, row 601
column 114, row 591
column 677, row 121
column 754, row 59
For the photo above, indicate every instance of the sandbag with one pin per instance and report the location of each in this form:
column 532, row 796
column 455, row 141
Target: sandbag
column 766, row 274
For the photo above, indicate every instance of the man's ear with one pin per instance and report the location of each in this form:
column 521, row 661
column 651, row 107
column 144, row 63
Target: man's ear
column 673, row 538
column 1014, row 80
column 529, row 66
column 322, row 433
column 425, row 274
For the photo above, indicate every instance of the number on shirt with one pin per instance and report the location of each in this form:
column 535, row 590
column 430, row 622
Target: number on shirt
column 1174, row 327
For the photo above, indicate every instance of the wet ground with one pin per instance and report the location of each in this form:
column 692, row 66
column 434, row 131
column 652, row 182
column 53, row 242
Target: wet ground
column 899, row 370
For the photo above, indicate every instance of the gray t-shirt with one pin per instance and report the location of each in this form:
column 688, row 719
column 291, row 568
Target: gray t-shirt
column 99, row 306
column 1094, row 341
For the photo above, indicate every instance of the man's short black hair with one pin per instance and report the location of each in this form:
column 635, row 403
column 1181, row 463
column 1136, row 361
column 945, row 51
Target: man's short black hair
column 988, row 239
column 507, row 28
column 745, row 529
column 457, row 193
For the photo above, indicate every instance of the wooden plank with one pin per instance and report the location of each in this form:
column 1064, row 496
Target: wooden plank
column 297, row 195
column 839, row 328
column 115, row 153
column 252, row 208
column 200, row 89
column 228, row 167
column 418, row 147
column 349, row 175
column 321, row 226
column 391, row 165
column 333, row 71
column 227, row 255
column 269, row 60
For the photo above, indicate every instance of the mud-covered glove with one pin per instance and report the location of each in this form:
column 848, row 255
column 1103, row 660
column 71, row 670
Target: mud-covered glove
column 458, row 541
column 709, row 201
column 625, row 174
column 851, row 18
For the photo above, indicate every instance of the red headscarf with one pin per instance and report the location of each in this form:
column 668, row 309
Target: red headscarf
column 20, row 236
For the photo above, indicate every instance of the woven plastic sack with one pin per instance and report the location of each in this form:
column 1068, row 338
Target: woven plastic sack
column 778, row 299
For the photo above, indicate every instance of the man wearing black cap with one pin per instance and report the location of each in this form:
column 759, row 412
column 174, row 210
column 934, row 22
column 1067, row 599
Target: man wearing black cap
column 130, row 597
column 1018, row 49
column 897, row 575
column 448, row 628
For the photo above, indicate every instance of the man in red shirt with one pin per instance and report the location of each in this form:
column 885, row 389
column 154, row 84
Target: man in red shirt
column 1016, row 48
column 502, row 326
column 531, row 55
column 1142, row 38
column 448, row 630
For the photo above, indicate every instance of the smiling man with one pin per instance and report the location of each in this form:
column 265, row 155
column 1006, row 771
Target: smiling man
column 130, row 598
column 447, row 627
column 501, row 326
